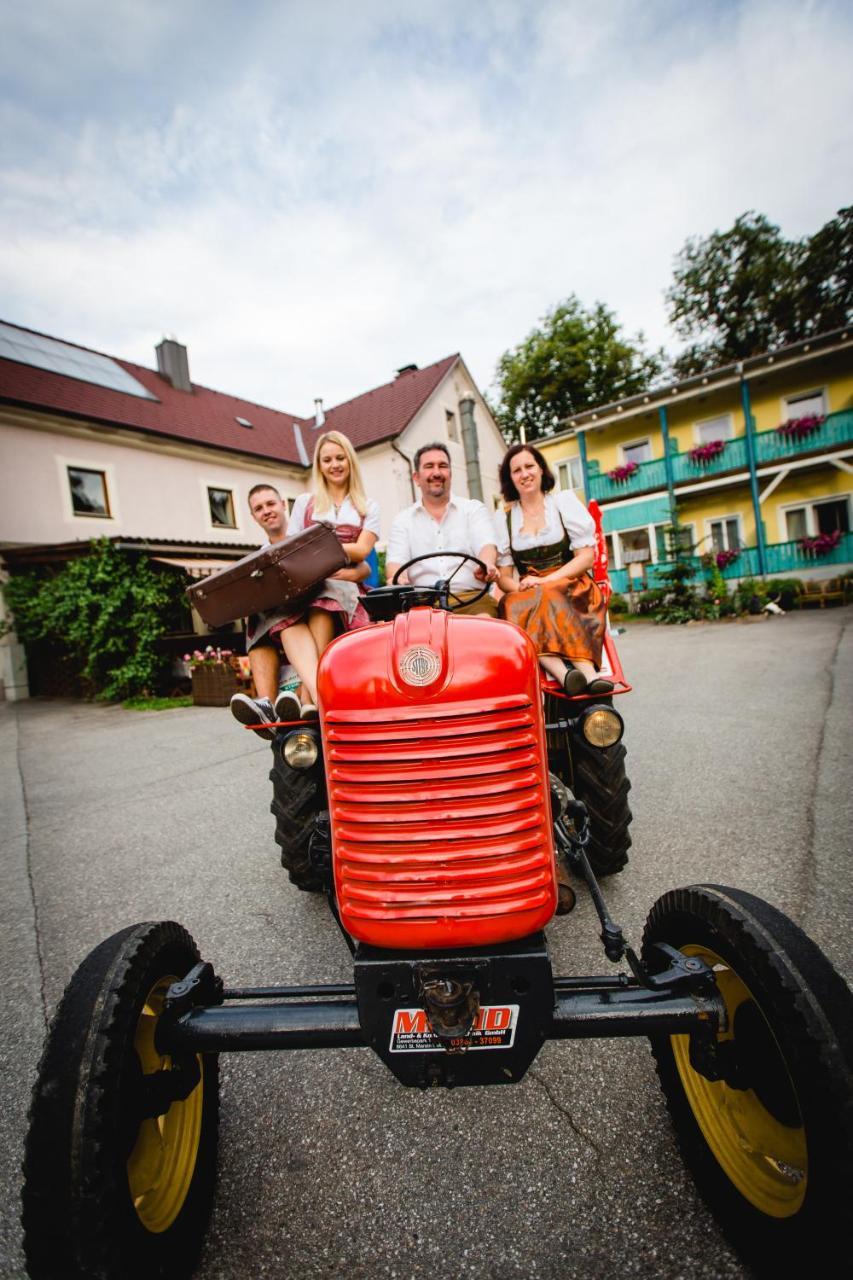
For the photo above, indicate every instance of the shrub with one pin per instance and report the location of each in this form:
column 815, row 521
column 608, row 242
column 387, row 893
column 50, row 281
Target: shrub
column 106, row 610
column 617, row 603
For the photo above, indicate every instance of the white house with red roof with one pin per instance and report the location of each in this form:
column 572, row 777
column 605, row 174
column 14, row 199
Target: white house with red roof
column 93, row 446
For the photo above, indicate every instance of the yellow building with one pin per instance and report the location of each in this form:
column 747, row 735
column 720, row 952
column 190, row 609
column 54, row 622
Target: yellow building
column 756, row 457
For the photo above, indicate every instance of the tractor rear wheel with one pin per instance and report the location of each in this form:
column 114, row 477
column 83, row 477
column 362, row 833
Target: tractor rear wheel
column 297, row 799
column 597, row 777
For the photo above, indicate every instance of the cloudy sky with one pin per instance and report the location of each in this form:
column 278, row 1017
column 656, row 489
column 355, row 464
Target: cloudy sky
column 311, row 193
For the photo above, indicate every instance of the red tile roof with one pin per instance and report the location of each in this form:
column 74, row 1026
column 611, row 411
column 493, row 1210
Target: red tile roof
column 209, row 417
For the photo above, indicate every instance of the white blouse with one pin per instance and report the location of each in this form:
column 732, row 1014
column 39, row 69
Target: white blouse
column 344, row 514
column 563, row 510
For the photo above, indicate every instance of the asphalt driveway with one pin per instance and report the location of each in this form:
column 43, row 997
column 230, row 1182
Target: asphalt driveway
column 741, row 763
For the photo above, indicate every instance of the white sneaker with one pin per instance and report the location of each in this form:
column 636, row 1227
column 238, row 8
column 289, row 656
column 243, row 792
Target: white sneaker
column 254, row 711
column 287, row 706
column 309, row 711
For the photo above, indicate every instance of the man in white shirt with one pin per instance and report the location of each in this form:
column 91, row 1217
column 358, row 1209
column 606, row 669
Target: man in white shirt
column 440, row 522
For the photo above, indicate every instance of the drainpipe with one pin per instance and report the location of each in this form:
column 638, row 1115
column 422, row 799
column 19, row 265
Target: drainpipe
column 667, row 461
column 749, row 423
column 581, row 439
column 408, row 462
column 470, row 445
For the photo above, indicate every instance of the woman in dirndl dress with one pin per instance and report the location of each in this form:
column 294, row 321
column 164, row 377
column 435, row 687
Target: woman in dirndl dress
column 546, row 544
column 338, row 499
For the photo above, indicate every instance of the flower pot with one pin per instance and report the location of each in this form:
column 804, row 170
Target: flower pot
column 213, row 684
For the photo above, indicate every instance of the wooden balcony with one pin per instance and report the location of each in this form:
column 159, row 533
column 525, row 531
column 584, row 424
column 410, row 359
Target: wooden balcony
column 834, row 433
column 782, row 560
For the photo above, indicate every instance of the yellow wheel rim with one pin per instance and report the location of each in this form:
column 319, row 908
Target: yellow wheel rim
column 756, row 1134
column 161, row 1165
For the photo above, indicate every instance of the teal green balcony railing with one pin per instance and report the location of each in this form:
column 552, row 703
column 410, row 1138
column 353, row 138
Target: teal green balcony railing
column 835, row 432
column 648, row 476
column 789, row 557
column 732, row 458
column 782, row 559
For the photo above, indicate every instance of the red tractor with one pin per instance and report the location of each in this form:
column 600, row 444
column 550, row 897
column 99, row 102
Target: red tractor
column 434, row 802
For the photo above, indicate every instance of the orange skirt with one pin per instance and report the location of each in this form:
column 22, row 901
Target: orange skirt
column 567, row 622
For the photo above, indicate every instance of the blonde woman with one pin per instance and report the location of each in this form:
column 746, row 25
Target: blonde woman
column 337, row 499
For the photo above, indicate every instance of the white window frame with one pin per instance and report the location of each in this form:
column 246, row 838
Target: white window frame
column 723, row 519
column 632, row 444
column 688, row 526
column 808, row 505
column 786, row 411
column 564, row 466
column 451, row 418
column 717, row 417
column 106, row 469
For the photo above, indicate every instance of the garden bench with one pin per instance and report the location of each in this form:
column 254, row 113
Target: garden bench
column 820, row 592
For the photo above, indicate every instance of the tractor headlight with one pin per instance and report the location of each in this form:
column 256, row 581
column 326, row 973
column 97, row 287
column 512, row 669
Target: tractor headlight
column 300, row 750
column 602, row 726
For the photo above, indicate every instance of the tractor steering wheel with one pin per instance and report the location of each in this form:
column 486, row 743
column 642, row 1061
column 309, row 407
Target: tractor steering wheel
column 447, row 599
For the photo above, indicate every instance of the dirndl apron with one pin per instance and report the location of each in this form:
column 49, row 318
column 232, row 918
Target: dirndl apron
column 567, row 621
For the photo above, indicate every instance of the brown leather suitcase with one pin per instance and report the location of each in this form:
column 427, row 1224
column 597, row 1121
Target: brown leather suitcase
column 282, row 573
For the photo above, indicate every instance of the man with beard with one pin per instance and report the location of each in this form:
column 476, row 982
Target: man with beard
column 440, row 522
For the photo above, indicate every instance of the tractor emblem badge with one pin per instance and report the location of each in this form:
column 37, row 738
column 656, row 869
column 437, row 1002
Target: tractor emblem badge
column 419, row 665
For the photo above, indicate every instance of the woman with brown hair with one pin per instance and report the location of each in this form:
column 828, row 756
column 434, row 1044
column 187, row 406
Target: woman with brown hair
column 546, row 544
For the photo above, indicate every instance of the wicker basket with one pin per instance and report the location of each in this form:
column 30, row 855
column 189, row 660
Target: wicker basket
column 213, row 684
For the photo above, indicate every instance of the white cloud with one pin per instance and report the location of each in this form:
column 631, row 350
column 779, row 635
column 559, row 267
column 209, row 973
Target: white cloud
column 317, row 195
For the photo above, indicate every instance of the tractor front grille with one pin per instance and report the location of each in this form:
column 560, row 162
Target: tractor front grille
column 439, row 819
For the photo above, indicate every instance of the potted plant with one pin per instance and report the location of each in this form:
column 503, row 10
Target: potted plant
column 822, row 544
column 623, row 473
column 801, row 428
column 215, row 676
column 704, row 453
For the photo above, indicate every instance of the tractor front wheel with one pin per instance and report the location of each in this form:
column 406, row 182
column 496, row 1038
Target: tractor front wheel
column 770, row 1143
column 120, row 1157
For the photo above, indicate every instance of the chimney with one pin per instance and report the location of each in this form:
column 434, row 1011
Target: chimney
column 319, row 415
column 471, row 446
column 173, row 364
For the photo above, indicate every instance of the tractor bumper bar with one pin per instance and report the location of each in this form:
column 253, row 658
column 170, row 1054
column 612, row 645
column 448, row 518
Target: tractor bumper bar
column 276, row 1021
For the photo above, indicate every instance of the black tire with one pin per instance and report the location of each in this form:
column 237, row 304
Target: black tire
column 297, row 799
column 771, row 1147
column 107, row 1196
column 598, row 778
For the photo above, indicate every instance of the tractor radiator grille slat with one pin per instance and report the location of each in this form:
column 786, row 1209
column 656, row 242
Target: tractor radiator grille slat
column 436, row 817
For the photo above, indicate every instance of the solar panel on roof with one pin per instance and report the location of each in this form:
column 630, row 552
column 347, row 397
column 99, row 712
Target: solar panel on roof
column 73, row 362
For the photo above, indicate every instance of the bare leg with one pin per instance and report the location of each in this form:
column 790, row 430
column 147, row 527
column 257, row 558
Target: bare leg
column 263, row 663
column 585, row 667
column 300, row 648
column 321, row 624
column 555, row 666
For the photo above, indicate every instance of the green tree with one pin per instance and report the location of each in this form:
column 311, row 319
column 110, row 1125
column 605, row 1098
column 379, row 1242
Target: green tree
column 574, row 359
column 740, row 292
column 106, row 610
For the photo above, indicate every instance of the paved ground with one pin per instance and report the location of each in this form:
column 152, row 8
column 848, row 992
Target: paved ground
column 740, row 756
